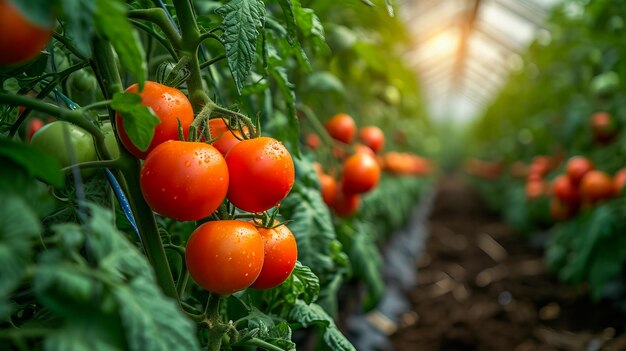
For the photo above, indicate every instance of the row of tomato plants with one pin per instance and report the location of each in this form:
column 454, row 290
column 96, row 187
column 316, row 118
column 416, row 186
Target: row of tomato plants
column 154, row 217
column 558, row 173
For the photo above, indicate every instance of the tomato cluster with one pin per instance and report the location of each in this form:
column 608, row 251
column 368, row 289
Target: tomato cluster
column 230, row 255
column 581, row 185
column 360, row 171
column 187, row 181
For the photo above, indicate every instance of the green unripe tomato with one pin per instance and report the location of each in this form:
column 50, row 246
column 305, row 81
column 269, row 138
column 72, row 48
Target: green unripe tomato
column 51, row 139
column 82, row 81
column 110, row 141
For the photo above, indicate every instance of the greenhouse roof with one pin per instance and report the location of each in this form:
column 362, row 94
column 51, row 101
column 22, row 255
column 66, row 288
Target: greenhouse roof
column 464, row 49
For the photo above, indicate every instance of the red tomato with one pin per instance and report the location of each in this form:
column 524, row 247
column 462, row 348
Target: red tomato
column 281, row 253
column 20, row 40
column 33, row 126
column 373, row 137
column 226, row 138
column 619, row 180
column 361, row 174
column 564, row 190
column 183, row 180
column 225, row 256
column 345, row 205
column 341, row 127
column 328, row 187
column 358, row 148
column 261, row 174
column 313, row 141
column 169, row 105
column 577, row 167
column 534, row 189
column 603, row 127
column 596, row 186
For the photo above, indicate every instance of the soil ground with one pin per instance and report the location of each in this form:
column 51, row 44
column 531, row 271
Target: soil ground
column 481, row 287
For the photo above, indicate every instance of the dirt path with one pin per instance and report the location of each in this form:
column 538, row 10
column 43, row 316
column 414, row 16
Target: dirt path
column 480, row 287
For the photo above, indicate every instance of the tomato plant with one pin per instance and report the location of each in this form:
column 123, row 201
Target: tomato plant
column 170, row 105
column 115, row 255
column 280, row 255
column 20, row 39
column 225, row 256
column 184, row 180
column 266, row 161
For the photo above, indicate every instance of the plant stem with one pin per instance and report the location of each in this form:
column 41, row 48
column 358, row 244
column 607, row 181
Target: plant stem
column 94, row 164
column 212, row 61
column 96, row 105
column 75, row 117
column 166, row 44
column 217, row 329
column 261, row 343
column 182, row 281
column 110, row 81
column 68, row 45
column 158, row 17
column 189, row 47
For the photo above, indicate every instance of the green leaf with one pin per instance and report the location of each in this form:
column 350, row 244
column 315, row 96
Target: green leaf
column 38, row 164
column 150, row 319
column 79, row 24
column 280, row 336
column 114, row 290
column 139, row 120
column 95, row 332
column 111, row 20
column 367, row 263
column 607, row 263
column 309, row 24
column 306, row 282
column 311, row 224
column 19, row 227
column 313, row 314
column 290, row 20
column 242, row 21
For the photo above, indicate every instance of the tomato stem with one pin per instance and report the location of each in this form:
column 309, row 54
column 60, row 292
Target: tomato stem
column 159, row 17
column 217, row 329
column 94, row 164
column 261, row 343
column 181, row 286
column 110, row 82
column 212, row 61
column 189, row 47
column 96, row 105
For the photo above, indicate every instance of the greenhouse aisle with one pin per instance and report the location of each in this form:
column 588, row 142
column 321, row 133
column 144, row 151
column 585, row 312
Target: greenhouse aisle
column 481, row 287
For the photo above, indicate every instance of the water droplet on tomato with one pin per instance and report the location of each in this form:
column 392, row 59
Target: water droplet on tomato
column 187, row 163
